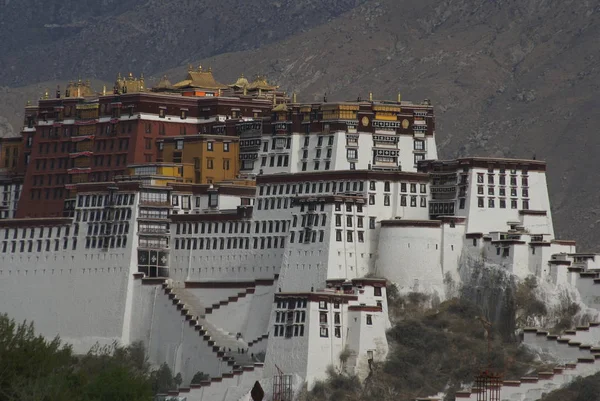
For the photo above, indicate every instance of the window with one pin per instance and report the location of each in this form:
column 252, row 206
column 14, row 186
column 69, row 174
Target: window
column 352, row 154
column 369, row 320
column 502, row 203
column 386, row 200
column 419, row 144
column 525, row 205
column 513, row 203
column 361, row 236
column 480, row 178
column 179, row 144
column 377, row 291
column 338, row 235
column 480, row 202
column 338, row 220
column 419, row 157
column 349, row 236
column 413, row 201
column 324, row 332
column 491, row 203
column 225, row 146
column 225, row 164
column 209, row 146
column 372, row 221
column 403, row 187
column 371, row 199
column 322, row 304
column 209, row 163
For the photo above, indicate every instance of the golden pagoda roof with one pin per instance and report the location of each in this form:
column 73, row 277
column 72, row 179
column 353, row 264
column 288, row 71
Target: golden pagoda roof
column 261, row 83
column 280, row 107
column 164, row 83
column 241, row 82
column 130, row 84
column 200, row 78
column 79, row 89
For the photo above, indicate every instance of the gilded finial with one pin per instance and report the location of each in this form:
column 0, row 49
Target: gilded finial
column 46, row 95
column 190, row 68
column 28, row 103
column 88, row 83
column 200, row 68
column 219, row 93
column 370, row 96
column 245, row 90
column 118, row 77
column 399, row 97
column 274, row 99
column 294, row 100
column 104, row 90
column 209, row 69
column 58, row 91
column 259, row 92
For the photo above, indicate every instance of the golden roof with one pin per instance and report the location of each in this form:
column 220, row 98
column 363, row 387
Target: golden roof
column 164, row 83
column 79, row 89
column 130, row 84
column 280, row 107
column 241, row 82
column 200, row 78
column 261, row 83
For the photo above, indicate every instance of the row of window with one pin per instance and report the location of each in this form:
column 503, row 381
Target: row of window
column 290, row 316
column 49, row 193
column 104, row 229
column 422, row 200
column 105, row 200
column 307, row 235
column 360, row 236
column 296, row 330
column 104, row 214
column 101, row 242
column 387, row 187
column 502, row 191
column 335, row 187
column 282, row 161
column 40, row 245
column 501, row 202
column 230, row 243
column 42, row 232
column 233, row 227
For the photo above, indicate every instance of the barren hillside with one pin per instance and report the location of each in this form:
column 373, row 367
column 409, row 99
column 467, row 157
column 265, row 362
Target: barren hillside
column 508, row 78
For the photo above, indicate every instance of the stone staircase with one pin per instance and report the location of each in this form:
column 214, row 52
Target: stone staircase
column 229, row 300
column 224, row 345
column 576, row 351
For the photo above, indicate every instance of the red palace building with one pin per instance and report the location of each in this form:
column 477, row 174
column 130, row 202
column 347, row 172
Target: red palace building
column 83, row 136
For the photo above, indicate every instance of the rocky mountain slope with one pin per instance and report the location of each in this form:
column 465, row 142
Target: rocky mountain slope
column 41, row 41
column 508, row 78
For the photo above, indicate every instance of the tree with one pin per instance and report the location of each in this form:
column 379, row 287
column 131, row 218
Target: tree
column 199, row 377
column 33, row 368
column 162, row 380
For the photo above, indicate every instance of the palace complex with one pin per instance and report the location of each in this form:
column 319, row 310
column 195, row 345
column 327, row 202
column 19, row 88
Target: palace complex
column 241, row 233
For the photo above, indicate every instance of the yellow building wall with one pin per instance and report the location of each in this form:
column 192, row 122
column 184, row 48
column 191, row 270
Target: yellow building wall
column 9, row 154
column 206, row 166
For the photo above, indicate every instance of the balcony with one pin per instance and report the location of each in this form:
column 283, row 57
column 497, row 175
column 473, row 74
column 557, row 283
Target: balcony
column 155, row 203
column 153, row 231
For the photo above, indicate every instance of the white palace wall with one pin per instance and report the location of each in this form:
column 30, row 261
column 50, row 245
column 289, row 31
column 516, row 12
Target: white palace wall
column 416, row 255
column 81, row 296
